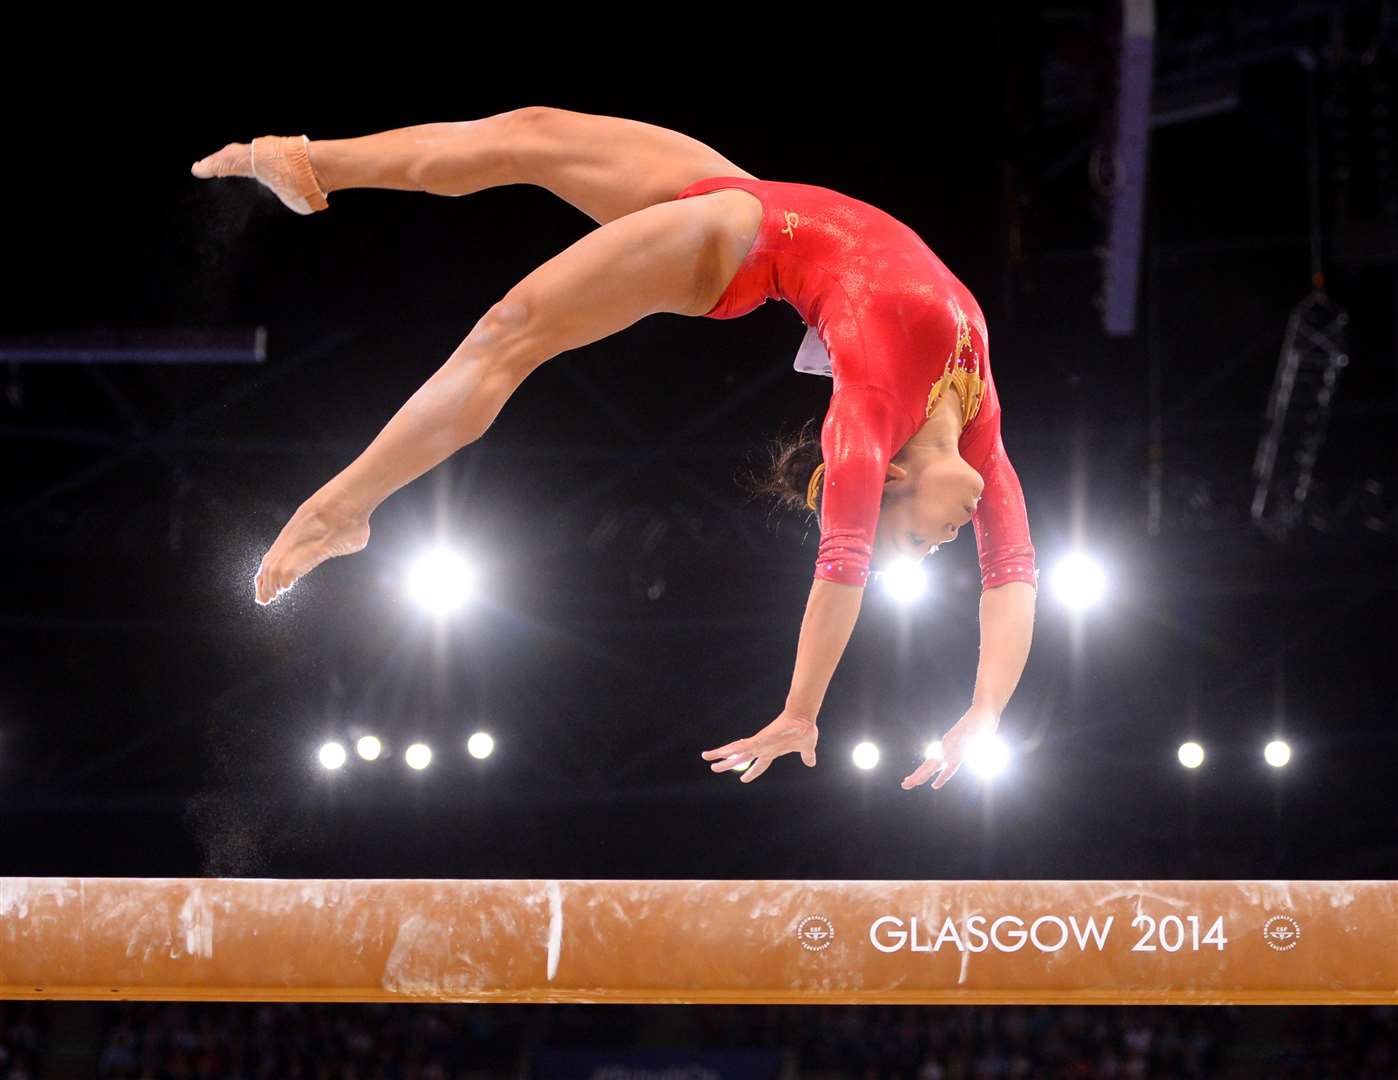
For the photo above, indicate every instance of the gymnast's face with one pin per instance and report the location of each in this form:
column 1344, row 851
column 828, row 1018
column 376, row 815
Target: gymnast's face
column 927, row 498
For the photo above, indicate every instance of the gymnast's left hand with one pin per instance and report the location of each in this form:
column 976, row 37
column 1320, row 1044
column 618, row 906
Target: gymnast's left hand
column 977, row 722
column 789, row 733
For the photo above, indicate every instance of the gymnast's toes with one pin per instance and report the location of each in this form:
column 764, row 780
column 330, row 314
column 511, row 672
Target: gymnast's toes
column 316, row 532
column 268, row 584
column 281, row 163
column 235, row 159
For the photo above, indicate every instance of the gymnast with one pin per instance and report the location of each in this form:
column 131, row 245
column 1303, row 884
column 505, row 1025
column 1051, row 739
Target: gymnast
column 911, row 441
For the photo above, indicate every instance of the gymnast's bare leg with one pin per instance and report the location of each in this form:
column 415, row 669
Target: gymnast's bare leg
column 650, row 255
column 606, row 166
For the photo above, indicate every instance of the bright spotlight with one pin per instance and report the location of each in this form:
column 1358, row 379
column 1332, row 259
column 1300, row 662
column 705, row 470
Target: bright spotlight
column 741, row 768
column 1278, row 753
column 1191, row 755
column 332, row 755
column 932, row 749
column 987, row 756
column 1079, row 582
column 441, row 581
column 905, row 580
column 369, row 748
column 866, row 755
column 418, row 756
column 480, row 745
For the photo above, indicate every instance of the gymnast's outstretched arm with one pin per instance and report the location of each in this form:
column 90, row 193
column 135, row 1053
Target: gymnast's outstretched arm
column 856, row 441
column 831, row 612
column 1008, row 599
column 1007, row 630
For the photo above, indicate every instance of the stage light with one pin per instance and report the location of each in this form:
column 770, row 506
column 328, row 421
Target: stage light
column 332, row 755
column 866, row 755
column 741, row 768
column 1277, row 754
column 441, row 581
column 905, row 580
column 369, row 748
column 932, row 749
column 418, row 756
column 1191, row 755
column 1079, row 582
column 480, row 745
column 987, row 756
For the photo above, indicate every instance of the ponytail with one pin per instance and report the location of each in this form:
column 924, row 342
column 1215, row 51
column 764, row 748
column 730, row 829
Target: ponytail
column 792, row 476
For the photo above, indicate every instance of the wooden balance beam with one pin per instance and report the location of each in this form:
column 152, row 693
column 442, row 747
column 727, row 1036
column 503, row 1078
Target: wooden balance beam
column 850, row 942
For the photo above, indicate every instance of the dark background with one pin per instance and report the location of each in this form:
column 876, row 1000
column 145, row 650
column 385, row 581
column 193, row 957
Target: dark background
column 154, row 721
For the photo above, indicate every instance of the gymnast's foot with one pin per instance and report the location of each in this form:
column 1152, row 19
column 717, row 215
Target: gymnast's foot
column 319, row 530
column 280, row 162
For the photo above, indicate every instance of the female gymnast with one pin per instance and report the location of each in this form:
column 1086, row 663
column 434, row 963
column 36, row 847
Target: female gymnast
column 911, row 439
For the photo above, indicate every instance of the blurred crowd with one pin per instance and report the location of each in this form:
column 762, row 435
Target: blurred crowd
column 289, row 1042
column 180, row 1041
column 21, row 1037
column 254, row 1042
column 1358, row 1043
column 1004, row 1043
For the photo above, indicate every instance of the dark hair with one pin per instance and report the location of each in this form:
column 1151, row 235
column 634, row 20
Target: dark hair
column 787, row 474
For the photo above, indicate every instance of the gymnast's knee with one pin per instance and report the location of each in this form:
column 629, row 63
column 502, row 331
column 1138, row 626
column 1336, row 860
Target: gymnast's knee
column 529, row 139
column 470, row 155
column 533, row 115
column 508, row 335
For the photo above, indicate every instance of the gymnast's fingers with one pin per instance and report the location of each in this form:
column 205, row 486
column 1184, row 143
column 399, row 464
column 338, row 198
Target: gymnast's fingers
column 758, row 768
column 725, row 750
column 922, row 773
column 733, row 760
column 947, row 773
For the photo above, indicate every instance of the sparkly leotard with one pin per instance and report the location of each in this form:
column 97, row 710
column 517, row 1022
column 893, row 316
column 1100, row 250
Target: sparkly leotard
column 891, row 325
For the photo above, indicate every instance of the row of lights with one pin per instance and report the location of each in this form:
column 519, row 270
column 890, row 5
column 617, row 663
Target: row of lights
column 442, row 581
column 333, row 755
column 1276, row 753
column 988, row 757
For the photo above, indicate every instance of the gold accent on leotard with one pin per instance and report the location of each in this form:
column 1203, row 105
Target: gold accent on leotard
column 814, row 486
column 963, row 372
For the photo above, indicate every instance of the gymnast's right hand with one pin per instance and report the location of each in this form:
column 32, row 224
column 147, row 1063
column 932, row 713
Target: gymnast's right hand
column 788, row 733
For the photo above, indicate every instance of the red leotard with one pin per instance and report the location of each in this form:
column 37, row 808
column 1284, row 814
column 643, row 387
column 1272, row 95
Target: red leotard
column 897, row 328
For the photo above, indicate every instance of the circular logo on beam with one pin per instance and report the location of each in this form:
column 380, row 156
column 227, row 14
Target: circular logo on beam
column 815, row 932
column 1282, row 933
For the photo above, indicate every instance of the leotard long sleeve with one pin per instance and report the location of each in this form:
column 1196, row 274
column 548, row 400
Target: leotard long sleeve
column 893, row 328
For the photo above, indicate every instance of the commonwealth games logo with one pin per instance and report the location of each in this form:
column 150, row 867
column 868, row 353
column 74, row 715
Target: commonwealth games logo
column 1281, row 932
column 815, row 932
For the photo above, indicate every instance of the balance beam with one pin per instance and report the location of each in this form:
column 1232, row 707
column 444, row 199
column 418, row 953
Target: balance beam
column 851, row 942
